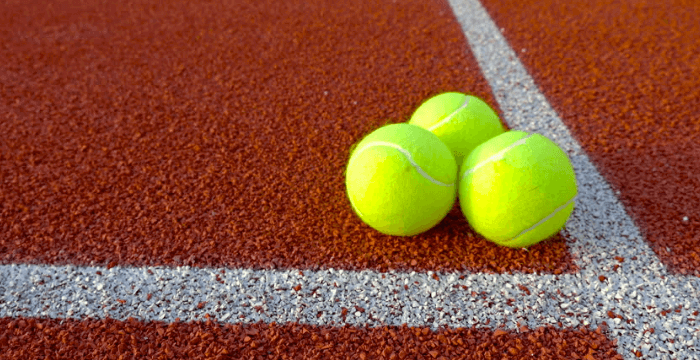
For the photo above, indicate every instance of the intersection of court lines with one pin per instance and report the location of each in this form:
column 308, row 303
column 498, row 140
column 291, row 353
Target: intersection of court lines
column 599, row 232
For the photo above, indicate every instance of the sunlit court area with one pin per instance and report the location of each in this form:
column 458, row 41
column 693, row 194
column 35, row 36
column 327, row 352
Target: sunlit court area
column 413, row 179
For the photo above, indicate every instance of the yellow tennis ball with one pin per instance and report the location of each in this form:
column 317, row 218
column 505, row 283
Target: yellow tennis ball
column 401, row 180
column 517, row 189
column 461, row 121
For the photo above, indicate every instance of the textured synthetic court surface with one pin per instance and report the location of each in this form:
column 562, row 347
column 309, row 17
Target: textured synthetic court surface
column 172, row 180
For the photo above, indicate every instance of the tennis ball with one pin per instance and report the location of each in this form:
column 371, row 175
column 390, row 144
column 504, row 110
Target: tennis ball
column 401, row 179
column 461, row 121
column 517, row 189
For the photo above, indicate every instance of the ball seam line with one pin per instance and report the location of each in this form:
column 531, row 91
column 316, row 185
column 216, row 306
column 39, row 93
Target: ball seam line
column 408, row 157
column 449, row 117
column 542, row 221
column 495, row 156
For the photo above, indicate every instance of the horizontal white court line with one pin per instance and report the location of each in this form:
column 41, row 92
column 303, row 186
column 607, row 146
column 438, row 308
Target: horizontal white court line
column 372, row 298
column 122, row 292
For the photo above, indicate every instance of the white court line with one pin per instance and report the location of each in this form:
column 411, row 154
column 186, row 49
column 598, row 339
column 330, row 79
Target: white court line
column 525, row 108
column 598, row 231
column 248, row 296
column 74, row 292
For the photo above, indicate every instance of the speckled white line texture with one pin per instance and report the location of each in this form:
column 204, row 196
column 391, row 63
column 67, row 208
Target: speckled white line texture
column 599, row 229
column 454, row 300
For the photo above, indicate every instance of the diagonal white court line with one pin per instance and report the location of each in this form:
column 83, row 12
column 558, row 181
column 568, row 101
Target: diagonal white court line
column 598, row 231
column 525, row 108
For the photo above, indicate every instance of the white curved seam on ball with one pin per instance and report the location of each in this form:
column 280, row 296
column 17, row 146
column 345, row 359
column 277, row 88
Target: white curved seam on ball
column 560, row 208
column 408, row 157
column 496, row 156
column 449, row 117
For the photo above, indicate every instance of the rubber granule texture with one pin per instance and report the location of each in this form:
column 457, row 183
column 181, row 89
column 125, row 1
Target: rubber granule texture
column 110, row 339
column 216, row 133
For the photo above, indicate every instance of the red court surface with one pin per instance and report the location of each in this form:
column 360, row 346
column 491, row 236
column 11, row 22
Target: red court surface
column 214, row 135
column 217, row 134
column 211, row 341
